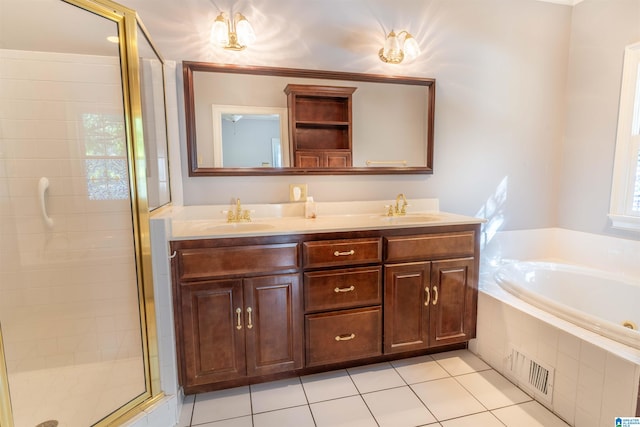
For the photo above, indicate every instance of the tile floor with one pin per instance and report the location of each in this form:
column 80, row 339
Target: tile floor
column 452, row 389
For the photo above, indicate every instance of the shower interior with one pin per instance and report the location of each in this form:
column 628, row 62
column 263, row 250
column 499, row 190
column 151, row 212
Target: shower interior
column 70, row 306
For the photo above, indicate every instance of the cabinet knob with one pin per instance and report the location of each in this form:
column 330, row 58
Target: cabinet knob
column 435, row 295
column 428, row 296
column 349, row 289
column 345, row 337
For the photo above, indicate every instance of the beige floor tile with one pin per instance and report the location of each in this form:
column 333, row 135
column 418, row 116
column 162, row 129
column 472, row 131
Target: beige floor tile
column 492, row 389
column 530, row 414
column 379, row 376
column 233, row 422
column 299, row 416
column 221, row 405
column 187, row 411
column 346, row 412
column 328, row 385
column 447, row 399
column 398, row 407
column 419, row 369
column 277, row 395
column 459, row 362
column 483, row 419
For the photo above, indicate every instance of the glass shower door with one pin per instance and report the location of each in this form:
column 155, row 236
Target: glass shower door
column 71, row 293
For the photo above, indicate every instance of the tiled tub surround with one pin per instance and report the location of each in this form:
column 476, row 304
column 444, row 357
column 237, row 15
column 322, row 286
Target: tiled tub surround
column 596, row 378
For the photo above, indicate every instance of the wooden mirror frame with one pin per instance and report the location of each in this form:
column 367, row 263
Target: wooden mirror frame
column 189, row 67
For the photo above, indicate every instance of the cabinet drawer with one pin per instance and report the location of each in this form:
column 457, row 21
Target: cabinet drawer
column 429, row 246
column 343, row 335
column 328, row 253
column 209, row 262
column 347, row 288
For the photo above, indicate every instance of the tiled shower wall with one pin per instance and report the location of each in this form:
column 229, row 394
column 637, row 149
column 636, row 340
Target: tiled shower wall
column 68, row 293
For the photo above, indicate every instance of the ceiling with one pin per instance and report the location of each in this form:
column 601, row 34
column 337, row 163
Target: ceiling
column 291, row 32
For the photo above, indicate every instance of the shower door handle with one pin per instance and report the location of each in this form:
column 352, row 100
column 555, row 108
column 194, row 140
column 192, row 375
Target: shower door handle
column 43, row 186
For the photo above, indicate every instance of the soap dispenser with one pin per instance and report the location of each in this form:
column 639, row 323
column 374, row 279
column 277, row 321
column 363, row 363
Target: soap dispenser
column 310, row 208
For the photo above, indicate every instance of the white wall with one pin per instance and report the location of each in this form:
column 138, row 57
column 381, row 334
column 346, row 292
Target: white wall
column 600, row 30
column 500, row 67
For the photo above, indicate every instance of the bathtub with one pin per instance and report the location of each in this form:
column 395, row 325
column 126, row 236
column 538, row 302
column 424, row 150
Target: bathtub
column 607, row 304
column 535, row 288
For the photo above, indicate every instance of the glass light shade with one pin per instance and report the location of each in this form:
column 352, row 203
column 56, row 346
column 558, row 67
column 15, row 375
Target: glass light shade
column 220, row 32
column 410, row 48
column 244, row 31
column 392, row 48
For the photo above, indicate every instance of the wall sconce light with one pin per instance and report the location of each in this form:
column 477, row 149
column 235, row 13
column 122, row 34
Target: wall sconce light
column 233, row 34
column 399, row 47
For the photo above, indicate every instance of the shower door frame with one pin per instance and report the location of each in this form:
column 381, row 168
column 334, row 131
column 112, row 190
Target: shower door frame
column 128, row 24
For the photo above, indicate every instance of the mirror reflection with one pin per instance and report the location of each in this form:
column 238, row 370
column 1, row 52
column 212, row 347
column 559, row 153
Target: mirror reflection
column 248, row 137
column 391, row 121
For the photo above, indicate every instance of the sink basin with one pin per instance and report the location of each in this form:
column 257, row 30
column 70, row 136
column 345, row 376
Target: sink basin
column 240, row 227
column 411, row 218
column 218, row 227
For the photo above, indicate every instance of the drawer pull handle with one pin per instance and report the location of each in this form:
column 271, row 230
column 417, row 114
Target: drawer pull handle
column 347, row 253
column 345, row 337
column 435, row 296
column 349, row 289
column 249, row 322
column 238, row 313
column 428, row 298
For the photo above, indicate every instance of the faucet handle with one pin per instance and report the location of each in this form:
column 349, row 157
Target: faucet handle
column 389, row 209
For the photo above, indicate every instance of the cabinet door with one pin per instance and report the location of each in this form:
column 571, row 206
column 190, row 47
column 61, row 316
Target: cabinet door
column 213, row 333
column 406, row 307
column 452, row 301
column 273, row 313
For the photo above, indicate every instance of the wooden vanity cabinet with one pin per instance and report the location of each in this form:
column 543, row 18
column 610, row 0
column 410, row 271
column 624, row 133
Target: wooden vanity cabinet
column 257, row 308
column 430, row 290
column 242, row 326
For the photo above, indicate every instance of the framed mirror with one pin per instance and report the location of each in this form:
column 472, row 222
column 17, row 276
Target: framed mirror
column 228, row 109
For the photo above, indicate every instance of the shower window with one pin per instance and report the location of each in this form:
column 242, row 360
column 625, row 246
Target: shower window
column 105, row 151
column 625, row 189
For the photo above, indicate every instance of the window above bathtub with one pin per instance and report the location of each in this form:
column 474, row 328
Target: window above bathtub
column 624, row 210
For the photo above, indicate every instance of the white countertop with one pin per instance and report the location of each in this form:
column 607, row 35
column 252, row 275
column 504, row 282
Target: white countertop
column 200, row 222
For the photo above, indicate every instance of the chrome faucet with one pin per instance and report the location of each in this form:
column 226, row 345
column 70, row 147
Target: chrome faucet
column 239, row 214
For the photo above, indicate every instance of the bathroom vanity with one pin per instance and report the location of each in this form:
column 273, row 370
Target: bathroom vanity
column 289, row 296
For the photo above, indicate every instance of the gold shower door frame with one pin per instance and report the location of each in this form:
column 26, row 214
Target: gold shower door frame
column 128, row 24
